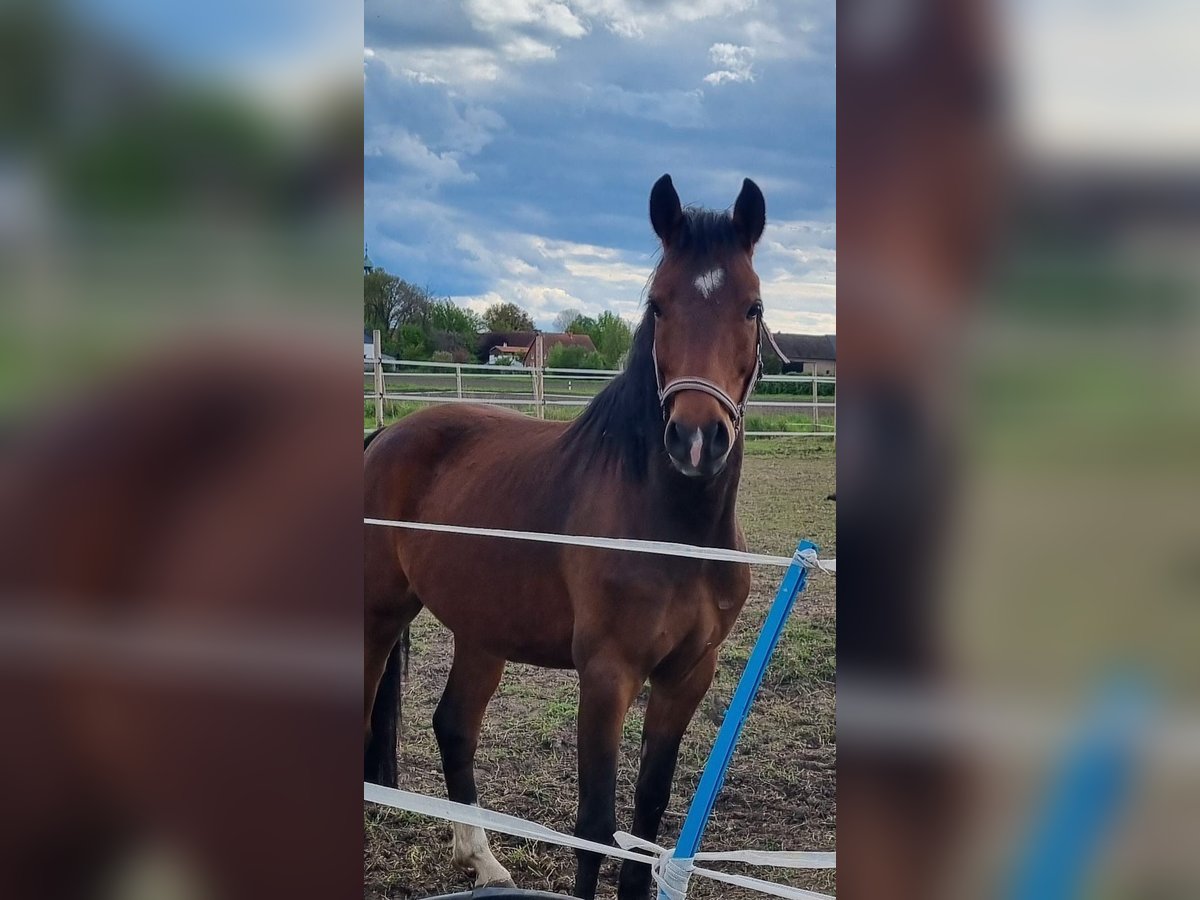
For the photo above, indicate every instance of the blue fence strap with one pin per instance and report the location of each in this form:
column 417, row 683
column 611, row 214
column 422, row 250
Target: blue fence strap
column 794, row 581
column 1084, row 797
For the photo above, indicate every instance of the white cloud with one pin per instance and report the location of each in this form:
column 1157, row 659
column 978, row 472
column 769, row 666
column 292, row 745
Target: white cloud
column 681, row 109
column 522, row 49
column 795, row 262
column 800, row 322
column 734, row 62
column 503, row 15
column 799, row 247
column 420, row 77
column 458, row 66
column 545, row 276
column 419, row 164
column 442, row 65
column 637, row 18
column 781, row 40
column 797, row 265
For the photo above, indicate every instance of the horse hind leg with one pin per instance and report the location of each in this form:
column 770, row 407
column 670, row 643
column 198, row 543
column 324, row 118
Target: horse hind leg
column 457, row 722
column 385, row 658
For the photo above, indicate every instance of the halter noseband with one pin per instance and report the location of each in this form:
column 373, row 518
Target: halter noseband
column 736, row 410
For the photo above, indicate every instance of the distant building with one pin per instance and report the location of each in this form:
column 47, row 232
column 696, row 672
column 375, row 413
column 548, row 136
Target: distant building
column 810, row 354
column 517, row 344
column 369, row 348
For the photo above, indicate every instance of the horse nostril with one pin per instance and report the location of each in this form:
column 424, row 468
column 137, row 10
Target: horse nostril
column 685, row 445
column 673, row 438
column 716, row 440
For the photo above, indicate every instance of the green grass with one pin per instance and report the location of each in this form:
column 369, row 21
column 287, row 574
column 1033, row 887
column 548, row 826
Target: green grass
column 806, row 655
column 553, row 719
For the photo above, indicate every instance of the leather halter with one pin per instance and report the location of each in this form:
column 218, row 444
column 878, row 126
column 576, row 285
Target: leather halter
column 736, row 409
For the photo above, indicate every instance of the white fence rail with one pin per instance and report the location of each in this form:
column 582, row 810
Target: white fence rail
column 419, row 381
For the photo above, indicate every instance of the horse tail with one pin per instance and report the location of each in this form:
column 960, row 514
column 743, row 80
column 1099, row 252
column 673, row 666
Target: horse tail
column 383, row 748
column 370, row 437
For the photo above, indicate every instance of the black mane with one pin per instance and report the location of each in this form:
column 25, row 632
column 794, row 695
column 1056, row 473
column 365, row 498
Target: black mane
column 624, row 420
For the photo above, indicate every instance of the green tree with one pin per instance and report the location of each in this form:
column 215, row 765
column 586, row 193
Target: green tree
column 613, row 338
column 389, row 302
column 410, row 342
column 507, row 317
column 562, row 321
column 415, row 305
column 583, row 325
column 563, row 356
column 380, row 301
column 445, row 315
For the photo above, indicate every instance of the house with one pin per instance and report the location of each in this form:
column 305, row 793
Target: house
column 810, row 354
column 517, row 344
column 369, row 348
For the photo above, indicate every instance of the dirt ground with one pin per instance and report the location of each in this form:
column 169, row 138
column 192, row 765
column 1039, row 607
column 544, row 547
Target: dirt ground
column 779, row 793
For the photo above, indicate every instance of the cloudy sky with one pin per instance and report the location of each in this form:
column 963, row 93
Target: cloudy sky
column 510, row 145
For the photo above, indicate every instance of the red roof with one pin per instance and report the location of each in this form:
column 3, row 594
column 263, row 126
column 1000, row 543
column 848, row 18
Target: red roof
column 519, row 342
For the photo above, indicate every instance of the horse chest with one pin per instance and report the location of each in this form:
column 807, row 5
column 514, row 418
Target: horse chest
column 658, row 610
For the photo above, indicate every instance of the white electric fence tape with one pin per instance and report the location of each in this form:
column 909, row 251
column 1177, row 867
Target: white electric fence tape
column 667, row 870
column 806, row 558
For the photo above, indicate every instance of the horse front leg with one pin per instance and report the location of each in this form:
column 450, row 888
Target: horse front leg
column 607, row 688
column 673, row 702
column 457, row 721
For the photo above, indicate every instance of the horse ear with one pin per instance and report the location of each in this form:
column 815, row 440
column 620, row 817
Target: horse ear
column 750, row 214
column 666, row 212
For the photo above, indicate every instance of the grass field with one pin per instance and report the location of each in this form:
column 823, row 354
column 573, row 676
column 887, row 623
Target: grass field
column 780, row 789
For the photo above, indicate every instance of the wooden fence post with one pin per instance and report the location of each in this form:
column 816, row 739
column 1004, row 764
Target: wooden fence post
column 539, row 374
column 816, row 425
column 377, row 352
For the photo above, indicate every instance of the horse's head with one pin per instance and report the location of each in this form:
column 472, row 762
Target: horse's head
column 704, row 296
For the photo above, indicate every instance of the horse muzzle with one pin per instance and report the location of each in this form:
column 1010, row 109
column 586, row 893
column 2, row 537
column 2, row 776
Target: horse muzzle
column 698, row 451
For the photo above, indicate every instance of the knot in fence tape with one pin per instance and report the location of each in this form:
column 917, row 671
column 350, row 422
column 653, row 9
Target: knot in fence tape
column 808, row 558
column 670, row 874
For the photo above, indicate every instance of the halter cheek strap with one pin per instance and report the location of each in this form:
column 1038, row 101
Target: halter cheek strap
column 736, row 409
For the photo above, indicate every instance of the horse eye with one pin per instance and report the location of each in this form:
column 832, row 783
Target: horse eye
column 655, row 309
column 756, row 310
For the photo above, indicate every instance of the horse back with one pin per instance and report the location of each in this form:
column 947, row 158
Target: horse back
column 479, row 467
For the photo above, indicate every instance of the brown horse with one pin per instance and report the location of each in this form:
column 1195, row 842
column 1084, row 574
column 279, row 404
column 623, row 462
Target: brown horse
column 656, row 455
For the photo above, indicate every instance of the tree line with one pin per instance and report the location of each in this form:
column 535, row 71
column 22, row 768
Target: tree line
column 416, row 324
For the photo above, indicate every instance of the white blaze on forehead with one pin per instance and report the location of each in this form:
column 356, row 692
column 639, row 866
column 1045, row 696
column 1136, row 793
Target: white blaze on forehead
column 708, row 283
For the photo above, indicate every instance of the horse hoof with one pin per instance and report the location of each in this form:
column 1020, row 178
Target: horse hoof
column 502, row 883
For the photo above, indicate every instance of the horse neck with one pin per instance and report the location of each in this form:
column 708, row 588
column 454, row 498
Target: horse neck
column 700, row 510
column 622, row 434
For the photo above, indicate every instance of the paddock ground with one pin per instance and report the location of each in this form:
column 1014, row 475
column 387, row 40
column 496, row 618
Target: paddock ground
column 780, row 792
